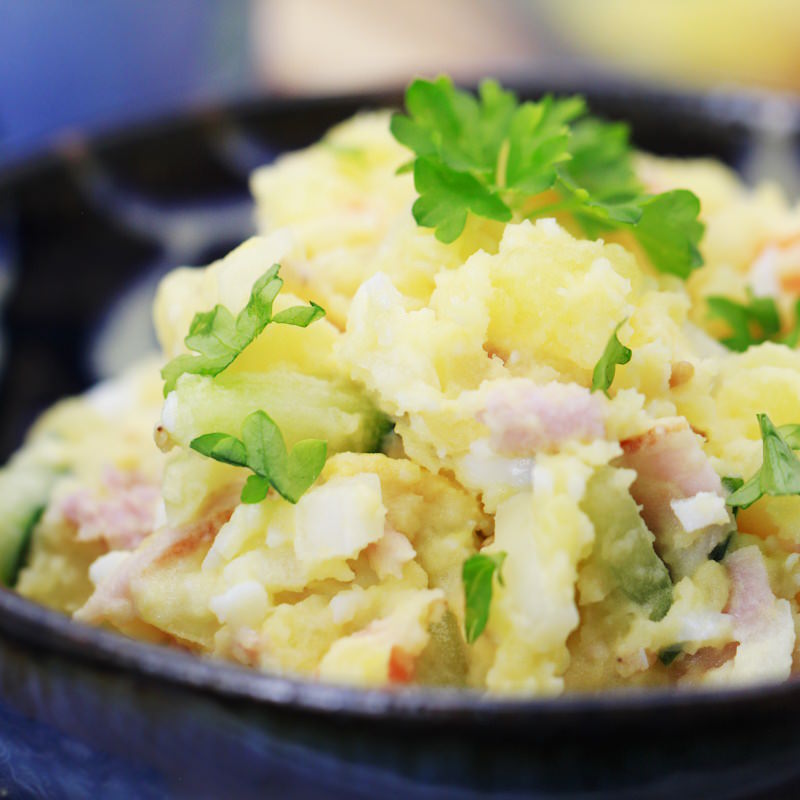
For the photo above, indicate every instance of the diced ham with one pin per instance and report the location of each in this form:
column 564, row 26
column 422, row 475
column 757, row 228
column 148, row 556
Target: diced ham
column 762, row 624
column 671, row 466
column 524, row 417
column 112, row 600
column 122, row 516
column 751, row 598
column 763, row 630
column 669, row 457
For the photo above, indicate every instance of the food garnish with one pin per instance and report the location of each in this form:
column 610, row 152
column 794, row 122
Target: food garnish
column 477, row 575
column 494, row 157
column 753, row 322
column 779, row 474
column 605, row 369
column 263, row 450
column 218, row 337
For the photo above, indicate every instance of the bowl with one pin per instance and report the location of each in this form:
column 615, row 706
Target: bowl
column 85, row 233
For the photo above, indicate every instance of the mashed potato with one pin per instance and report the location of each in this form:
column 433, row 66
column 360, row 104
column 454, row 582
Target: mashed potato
column 451, row 383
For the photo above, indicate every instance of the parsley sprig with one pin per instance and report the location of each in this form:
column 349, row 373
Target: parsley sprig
column 753, row 322
column 477, row 575
column 218, row 337
column 779, row 474
column 492, row 156
column 614, row 354
column 263, row 450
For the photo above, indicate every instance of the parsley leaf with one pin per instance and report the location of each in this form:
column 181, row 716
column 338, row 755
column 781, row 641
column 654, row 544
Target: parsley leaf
column 255, row 489
column 779, row 474
column 605, row 369
column 538, row 137
column 670, row 232
column 791, row 339
column 469, row 151
column 477, row 576
column 445, row 197
column 731, row 484
column 747, row 493
column 751, row 323
column 299, row 316
column 601, row 159
column 490, row 155
column 600, row 176
column 780, row 471
column 221, row 447
column 452, row 126
column 263, row 450
column 218, row 338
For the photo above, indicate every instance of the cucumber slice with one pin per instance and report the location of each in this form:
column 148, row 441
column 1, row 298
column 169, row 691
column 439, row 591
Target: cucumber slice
column 623, row 544
column 443, row 662
column 304, row 407
column 24, row 493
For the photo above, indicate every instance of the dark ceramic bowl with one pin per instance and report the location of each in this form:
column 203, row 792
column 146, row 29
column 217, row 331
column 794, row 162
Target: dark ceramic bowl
column 84, row 234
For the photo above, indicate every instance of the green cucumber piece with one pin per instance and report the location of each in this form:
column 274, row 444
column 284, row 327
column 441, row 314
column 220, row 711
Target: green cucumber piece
column 623, row 544
column 303, row 406
column 24, row 493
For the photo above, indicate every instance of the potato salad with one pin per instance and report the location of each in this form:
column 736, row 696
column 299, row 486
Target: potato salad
column 492, row 401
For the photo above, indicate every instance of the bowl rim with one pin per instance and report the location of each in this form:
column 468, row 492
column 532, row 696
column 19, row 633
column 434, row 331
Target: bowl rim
column 46, row 629
column 42, row 628
column 739, row 106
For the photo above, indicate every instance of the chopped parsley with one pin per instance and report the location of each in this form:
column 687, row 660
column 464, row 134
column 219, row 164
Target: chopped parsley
column 492, row 156
column 669, row 654
column 615, row 353
column 753, row 322
column 750, row 323
column 263, row 450
column 731, row 484
column 791, row 339
column 720, row 550
column 218, row 337
column 477, row 575
column 779, row 474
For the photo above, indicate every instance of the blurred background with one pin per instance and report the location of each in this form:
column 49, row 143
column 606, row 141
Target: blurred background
column 99, row 222
column 99, row 64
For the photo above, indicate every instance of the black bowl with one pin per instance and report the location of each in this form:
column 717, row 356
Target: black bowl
column 88, row 713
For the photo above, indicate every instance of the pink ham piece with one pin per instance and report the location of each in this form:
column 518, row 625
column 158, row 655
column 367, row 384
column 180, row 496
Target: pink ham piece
column 751, row 599
column 524, row 418
column 123, row 518
column 670, row 465
column 762, row 624
column 757, row 618
column 112, row 599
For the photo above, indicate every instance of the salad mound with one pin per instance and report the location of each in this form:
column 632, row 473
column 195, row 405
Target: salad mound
column 492, row 401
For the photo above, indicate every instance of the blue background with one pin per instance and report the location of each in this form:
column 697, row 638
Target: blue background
column 94, row 64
